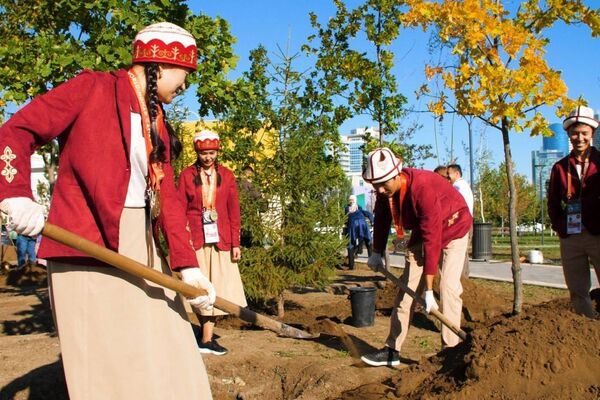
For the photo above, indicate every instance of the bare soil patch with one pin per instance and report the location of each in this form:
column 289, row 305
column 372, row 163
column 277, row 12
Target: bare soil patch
column 545, row 352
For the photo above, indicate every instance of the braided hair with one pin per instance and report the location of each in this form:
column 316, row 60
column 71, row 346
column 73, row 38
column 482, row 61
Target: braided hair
column 158, row 146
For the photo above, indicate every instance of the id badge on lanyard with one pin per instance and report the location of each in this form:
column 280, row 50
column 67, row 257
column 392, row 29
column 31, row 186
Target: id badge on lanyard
column 211, row 233
column 574, row 217
column 573, row 206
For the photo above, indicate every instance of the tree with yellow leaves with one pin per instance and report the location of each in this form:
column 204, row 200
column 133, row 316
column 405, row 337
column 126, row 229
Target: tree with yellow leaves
column 501, row 76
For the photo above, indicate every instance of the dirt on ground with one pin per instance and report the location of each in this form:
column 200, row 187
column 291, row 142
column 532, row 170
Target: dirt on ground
column 544, row 352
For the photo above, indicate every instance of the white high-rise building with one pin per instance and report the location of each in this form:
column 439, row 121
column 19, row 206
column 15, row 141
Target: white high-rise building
column 352, row 160
column 37, row 174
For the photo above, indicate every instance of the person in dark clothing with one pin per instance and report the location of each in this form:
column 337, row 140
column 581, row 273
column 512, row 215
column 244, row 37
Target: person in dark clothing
column 26, row 250
column 357, row 229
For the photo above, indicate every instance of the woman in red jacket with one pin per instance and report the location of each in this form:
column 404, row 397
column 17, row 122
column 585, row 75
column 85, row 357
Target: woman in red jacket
column 213, row 210
column 121, row 337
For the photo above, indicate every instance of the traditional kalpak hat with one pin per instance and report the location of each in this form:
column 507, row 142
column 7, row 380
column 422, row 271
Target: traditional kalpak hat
column 382, row 165
column 165, row 43
column 582, row 115
column 206, row 140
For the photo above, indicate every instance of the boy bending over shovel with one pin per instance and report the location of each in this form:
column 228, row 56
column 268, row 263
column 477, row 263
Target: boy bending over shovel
column 439, row 220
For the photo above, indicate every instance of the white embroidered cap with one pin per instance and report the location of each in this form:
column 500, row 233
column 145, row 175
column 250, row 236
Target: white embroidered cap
column 206, row 140
column 583, row 115
column 382, row 165
column 165, row 42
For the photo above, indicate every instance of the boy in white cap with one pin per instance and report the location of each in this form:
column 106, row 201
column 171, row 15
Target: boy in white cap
column 121, row 337
column 574, row 208
column 439, row 220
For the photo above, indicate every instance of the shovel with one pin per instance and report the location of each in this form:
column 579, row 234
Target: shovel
column 435, row 312
column 133, row 267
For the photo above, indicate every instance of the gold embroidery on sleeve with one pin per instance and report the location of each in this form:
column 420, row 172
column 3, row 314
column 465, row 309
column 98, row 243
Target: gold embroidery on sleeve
column 452, row 219
column 8, row 172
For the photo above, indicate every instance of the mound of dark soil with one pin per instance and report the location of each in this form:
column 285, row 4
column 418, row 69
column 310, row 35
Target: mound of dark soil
column 478, row 304
column 545, row 352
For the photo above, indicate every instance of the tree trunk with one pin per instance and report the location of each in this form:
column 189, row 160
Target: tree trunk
column 512, row 221
column 280, row 305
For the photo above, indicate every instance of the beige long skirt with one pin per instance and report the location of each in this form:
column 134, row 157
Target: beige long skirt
column 122, row 337
column 223, row 274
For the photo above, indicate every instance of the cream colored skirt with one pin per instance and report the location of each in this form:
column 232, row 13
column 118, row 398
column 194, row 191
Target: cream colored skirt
column 122, row 337
column 223, row 274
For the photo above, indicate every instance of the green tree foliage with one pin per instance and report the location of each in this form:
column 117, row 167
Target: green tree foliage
column 286, row 127
column 46, row 42
column 493, row 185
column 501, row 75
column 366, row 82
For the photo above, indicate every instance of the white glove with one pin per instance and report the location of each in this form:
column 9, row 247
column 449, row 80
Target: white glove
column 375, row 262
column 430, row 302
column 27, row 216
column 194, row 277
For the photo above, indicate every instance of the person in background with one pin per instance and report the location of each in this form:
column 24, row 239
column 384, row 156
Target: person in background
column 26, row 250
column 209, row 193
column 463, row 187
column 121, row 337
column 439, row 220
column 574, row 208
column 442, row 171
column 357, row 229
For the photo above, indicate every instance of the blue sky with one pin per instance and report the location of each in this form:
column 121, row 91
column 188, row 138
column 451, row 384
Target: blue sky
column 274, row 23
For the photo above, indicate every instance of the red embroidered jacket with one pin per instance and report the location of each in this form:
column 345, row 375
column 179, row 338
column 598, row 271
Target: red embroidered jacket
column 90, row 117
column 590, row 195
column 433, row 210
column 227, row 205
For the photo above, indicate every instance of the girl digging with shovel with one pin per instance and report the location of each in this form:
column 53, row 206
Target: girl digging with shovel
column 121, row 337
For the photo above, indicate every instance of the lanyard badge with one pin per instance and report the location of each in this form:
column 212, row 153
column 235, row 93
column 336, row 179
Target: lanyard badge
column 573, row 206
column 573, row 209
column 209, row 212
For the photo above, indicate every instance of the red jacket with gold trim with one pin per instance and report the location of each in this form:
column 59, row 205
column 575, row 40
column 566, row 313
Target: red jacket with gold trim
column 90, row 117
column 227, row 206
column 434, row 211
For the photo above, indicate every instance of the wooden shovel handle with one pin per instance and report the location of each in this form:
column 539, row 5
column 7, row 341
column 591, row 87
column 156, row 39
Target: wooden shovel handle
column 133, row 267
column 435, row 312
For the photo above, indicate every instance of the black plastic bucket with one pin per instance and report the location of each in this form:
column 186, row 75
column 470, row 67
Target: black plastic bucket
column 362, row 300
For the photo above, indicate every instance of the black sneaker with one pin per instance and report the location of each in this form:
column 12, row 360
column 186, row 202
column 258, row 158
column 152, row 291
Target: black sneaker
column 212, row 347
column 386, row 356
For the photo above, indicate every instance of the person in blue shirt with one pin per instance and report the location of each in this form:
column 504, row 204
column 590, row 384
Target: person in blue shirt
column 26, row 250
column 357, row 229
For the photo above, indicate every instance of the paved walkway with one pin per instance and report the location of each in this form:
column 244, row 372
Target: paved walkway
column 533, row 274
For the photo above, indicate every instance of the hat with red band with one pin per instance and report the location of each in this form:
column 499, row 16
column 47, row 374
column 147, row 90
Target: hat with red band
column 581, row 115
column 165, row 43
column 206, row 140
column 382, row 165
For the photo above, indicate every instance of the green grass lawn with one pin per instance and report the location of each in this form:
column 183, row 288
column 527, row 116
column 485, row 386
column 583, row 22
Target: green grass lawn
column 550, row 249
column 501, row 246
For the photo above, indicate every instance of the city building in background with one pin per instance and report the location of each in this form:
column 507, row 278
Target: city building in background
column 38, row 175
column 352, row 160
column 553, row 149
